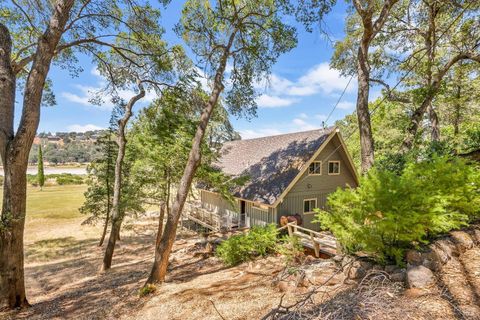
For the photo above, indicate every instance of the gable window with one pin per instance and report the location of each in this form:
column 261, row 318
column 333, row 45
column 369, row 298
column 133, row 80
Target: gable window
column 309, row 205
column 333, row 167
column 315, row 168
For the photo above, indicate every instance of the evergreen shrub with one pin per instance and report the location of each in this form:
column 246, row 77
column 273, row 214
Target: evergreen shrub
column 259, row 241
column 390, row 212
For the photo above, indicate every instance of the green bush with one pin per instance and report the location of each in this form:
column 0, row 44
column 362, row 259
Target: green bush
column 147, row 290
column 259, row 241
column 391, row 212
column 68, row 178
column 291, row 248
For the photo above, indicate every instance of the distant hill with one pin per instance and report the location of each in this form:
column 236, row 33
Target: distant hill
column 66, row 147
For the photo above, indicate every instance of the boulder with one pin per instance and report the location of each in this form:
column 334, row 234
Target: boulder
column 420, row 277
column 413, row 257
column 475, row 234
column 462, row 240
column 398, row 276
column 391, row 268
column 358, row 269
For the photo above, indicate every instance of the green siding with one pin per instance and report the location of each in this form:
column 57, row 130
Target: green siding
column 318, row 186
column 253, row 216
column 215, row 203
column 258, row 217
column 307, row 187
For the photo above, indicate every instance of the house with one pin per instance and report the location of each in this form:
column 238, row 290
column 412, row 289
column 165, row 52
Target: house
column 287, row 174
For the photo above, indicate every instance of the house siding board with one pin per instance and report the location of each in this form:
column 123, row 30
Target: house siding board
column 318, row 186
column 215, row 203
column 253, row 216
column 259, row 217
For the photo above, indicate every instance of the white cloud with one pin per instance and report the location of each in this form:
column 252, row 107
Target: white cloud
column 302, row 125
column 320, row 78
column 250, row 134
column 84, row 94
column 76, row 98
column 321, row 117
column 83, row 128
column 346, row 105
column 266, row 101
column 296, row 125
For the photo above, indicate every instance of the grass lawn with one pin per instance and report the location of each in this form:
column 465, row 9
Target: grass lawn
column 53, row 213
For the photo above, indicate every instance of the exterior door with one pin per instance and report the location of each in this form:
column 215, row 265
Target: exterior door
column 242, row 213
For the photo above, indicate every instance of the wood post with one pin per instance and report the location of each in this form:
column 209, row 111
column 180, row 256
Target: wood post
column 289, row 227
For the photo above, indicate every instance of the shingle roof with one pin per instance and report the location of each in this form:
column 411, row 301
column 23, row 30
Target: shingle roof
column 271, row 163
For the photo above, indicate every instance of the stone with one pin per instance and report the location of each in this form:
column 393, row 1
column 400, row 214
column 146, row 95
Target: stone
column 391, row 268
column 337, row 258
column 475, row 234
column 448, row 246
column 347, row 260
column 357, row 270
column 462, row 240
column 415, row 292
column 398, row 276
column 420, row 277
column 413, row 257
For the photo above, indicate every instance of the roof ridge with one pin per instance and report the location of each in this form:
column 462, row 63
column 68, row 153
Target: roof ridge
column 285, row 134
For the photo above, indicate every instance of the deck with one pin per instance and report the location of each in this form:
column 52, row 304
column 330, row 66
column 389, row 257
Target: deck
column 209, row 219
column 322, row 243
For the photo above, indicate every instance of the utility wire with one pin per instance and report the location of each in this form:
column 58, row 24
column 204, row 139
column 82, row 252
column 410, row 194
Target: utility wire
column 402, row 78
column 338, row 101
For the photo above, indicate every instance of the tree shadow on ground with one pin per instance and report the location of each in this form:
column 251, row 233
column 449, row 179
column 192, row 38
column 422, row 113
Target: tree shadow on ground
column 63, row 278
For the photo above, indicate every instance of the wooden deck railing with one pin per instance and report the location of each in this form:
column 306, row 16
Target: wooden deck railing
column 320, row 242
column 209, row 219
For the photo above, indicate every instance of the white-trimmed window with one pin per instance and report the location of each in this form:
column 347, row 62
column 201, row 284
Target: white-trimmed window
column 260, row 206
column 333, row 167
column 309, row 205
column 315, row 168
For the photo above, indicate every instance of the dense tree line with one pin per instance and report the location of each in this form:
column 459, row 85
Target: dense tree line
column 68, row 152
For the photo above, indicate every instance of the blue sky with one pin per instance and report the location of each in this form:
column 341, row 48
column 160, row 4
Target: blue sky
column 300, row 94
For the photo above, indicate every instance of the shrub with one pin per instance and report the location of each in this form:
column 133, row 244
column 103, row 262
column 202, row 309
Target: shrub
column 291, row 248
column 389, row 212
column 68, row 178
column 259, row 241
column 146, row 290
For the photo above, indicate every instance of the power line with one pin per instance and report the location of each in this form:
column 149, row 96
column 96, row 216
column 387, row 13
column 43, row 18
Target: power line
column 338, row 101
column 402, row 78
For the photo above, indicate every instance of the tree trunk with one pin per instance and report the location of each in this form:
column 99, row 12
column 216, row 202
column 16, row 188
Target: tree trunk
column 15, row 148
column 164, row 248
column 434, row 124
column 105, row 226
column 117, row 213
column 363, row 113
column 12, row 282
column 107, row 183
column 160, row 223
column 457, row 115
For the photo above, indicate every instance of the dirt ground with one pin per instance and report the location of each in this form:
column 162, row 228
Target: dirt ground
column 63, row 282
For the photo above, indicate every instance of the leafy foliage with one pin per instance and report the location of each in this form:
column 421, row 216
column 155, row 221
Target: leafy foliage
column 290, row 248
column 259, row 241
column 41, row 173
column 389, row 213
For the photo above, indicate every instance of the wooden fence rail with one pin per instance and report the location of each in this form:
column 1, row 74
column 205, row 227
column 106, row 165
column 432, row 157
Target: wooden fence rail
column 320, row 242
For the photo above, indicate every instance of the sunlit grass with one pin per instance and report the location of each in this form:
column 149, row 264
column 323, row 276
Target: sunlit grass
column 53, row 212
column 55, row 202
